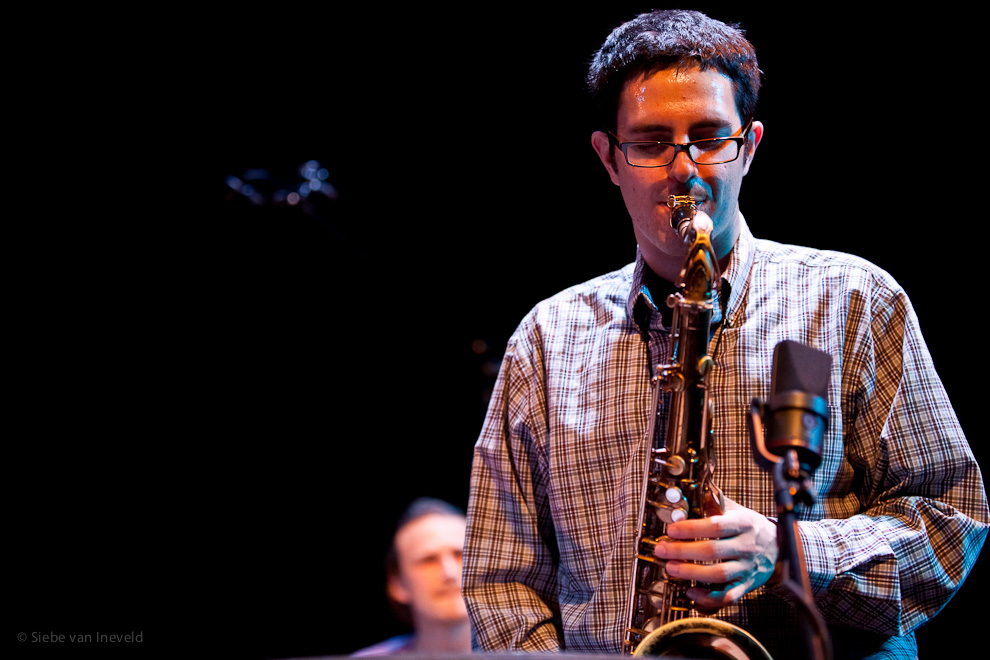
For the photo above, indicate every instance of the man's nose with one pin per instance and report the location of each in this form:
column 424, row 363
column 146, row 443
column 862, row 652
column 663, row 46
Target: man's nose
column 451, row 565
column 683, row 168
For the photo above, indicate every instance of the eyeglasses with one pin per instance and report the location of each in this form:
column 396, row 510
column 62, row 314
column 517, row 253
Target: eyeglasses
column 711, row 151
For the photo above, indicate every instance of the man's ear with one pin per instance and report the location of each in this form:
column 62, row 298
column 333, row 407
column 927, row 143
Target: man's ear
column 753, row 140
column 397, row 591
column 602, row 145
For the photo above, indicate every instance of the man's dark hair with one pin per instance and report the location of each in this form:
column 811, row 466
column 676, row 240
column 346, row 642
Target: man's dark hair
column 673, row 38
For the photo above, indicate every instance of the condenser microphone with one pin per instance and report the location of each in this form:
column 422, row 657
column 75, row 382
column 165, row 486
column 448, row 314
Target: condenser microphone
column 797, row 411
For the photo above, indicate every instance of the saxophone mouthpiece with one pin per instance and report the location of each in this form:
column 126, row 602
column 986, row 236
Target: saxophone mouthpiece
column 675, row 201
column 682, row 217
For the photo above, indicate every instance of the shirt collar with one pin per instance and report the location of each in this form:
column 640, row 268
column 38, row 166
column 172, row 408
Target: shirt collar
column 641, row 305
column 736, row 275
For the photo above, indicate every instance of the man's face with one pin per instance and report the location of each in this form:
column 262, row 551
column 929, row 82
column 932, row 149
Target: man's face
column 429, row 579
column 678, row 106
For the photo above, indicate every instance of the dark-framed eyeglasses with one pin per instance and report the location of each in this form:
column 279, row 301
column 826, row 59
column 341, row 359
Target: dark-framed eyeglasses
column 710, row 151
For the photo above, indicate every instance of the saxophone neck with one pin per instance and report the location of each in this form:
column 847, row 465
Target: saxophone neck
column 701, row 273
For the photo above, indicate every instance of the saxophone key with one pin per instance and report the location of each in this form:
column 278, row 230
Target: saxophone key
column 661, row 593
column 671, row 381
column 673, row 508
column 675, row 465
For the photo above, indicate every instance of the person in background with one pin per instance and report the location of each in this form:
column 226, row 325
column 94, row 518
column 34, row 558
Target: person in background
column 423, row 581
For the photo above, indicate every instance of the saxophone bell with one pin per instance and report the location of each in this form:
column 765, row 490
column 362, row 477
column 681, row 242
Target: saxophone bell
column 702, row 638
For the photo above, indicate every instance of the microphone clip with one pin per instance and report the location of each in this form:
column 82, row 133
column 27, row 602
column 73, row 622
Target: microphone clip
column 791, row 475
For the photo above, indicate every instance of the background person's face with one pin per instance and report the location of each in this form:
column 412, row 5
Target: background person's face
column 429, row 580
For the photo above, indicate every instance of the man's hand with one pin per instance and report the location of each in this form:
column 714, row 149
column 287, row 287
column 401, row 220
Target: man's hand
column 743, row 542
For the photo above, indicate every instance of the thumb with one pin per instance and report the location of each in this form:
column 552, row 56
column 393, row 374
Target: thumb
column 731, row 504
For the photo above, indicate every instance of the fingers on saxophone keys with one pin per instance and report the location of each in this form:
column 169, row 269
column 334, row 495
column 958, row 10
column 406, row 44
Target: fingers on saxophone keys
column 689, row 550
column 717, row 596
column 713, row 574
column 706, row 602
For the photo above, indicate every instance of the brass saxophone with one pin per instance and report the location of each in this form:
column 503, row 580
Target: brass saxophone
column 677, row 481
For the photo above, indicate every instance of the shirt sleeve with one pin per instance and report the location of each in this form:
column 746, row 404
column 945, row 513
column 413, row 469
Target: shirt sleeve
column 510, row 558
column 923, row 510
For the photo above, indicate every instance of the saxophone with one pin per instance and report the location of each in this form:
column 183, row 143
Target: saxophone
column 677, row 482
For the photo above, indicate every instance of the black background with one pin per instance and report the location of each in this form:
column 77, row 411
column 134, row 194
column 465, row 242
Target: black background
column 221, row 407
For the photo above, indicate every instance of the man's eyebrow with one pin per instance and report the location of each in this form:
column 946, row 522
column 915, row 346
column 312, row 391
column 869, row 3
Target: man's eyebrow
column 663, row 129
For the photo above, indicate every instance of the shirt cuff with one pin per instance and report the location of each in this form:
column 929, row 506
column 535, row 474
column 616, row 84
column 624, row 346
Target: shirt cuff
column 819, row 555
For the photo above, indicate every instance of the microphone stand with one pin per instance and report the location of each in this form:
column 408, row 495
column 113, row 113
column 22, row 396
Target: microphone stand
column 792, row 491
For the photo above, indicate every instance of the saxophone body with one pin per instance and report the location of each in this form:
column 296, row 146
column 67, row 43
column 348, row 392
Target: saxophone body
column 677, row 481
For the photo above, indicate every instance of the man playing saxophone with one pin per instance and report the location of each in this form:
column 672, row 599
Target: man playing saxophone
column 901, row 512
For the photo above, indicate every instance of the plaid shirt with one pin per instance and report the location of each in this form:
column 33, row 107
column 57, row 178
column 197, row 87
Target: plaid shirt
column 901, row 513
